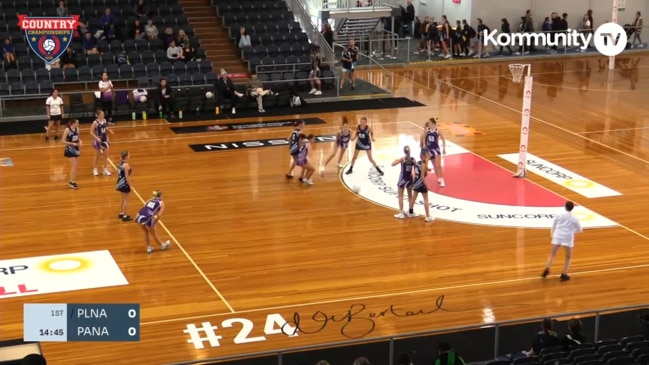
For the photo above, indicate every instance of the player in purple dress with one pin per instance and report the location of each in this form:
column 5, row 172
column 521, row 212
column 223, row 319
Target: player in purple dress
column 364, row 137
column 99, row 134
column 419, row 186
column 147, row 218
column 303, row 158
column 406, row 178
column 342, row 142
column 429, row 140
column 294, row 146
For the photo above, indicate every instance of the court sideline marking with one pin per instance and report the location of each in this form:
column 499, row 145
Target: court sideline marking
column 393, row 294
column 543, row 187
column 532, row 117
column 173, row 238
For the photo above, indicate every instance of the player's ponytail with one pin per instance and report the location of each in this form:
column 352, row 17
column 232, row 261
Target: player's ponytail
column 123, row 154
column 345, row 121
column 406, row 150
column 72, row 122
column 433, row 120
column 157, row 194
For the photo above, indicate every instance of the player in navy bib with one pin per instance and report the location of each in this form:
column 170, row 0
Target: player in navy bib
column 124, row 172
column 406, row 178
column 364, row 138
column 430, row 141
column 147, row 218
column 72, row 141
column 303, row 158
column 343, row 137
column 419, row 186
column 294, row 146
column 99, row 134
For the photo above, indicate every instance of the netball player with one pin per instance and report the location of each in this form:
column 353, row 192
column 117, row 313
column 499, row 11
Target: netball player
column 364, row 138
column 343, row 137
column 147, row 218
column 429, row 141
column 54, row 110
column 72, row 141
column 303, row 158
column 406, row 178
column 124, row 172
column 100, row 142
column 294, row 146
column 419, row 186
column 563, row 231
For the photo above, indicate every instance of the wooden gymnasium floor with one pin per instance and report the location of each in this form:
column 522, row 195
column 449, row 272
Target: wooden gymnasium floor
column 248, row 244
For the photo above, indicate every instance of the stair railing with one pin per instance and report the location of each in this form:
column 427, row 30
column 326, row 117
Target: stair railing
column 302, row 15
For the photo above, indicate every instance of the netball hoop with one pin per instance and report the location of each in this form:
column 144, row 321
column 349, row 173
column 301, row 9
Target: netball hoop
column 517, row 71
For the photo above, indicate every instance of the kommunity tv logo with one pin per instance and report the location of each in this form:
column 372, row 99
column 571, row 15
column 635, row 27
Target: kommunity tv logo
column 609, row 39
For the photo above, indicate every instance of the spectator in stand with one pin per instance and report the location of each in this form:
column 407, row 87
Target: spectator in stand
column 589, row 14
column 522, row 48
column 255, row 88
column 110, row 32
column 33, row 359
column 89, row 44
column 174, row 53
column 328, row 34
column 529, row 27
column 544, row 338
column 151, row 30
column 9, row 53
column 168, row 37
column 182, row 38
column 448, row 356
column 142, row 10
column 68, row 58
column 314, row 75
column 243, row 39
column 82, row 28
column 423, row 35
column 106, row 96
column 555, row 27
column 458, row 39
column 445, row 37
column 637, row 23
column 137, row 30
column 504, row 28
column 586, row 28
column 226, row 87
column 361, row 361
column 469, row 36
column 166, row 103
column 62, row 10
column 189, row 54
column 410, row 18
column 481, row 49
column 417, row 29
column 574, row 336
column 107, row 18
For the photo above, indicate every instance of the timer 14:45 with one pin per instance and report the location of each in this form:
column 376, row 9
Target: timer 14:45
column 57, row 332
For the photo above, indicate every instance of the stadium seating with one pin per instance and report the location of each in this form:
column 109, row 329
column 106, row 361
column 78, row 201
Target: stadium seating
column 146, row 58
column 277, row 39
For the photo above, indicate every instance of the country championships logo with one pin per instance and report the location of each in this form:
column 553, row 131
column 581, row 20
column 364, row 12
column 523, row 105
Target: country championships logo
column 609, row 39
column 48, row 37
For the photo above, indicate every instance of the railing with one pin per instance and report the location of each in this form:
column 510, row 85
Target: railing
column 301, row 13
column 390, row 48
column 354, row 4
column 496, row 326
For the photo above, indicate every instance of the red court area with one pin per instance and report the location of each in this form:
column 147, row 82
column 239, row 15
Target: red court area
column 470, row 177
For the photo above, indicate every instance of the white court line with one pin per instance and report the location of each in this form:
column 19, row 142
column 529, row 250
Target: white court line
column 183, row 250
column 401, row 293
column 613, row 130
column 532, row 117
column 551, row 191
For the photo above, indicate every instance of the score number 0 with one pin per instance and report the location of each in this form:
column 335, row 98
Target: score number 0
column 132, row 313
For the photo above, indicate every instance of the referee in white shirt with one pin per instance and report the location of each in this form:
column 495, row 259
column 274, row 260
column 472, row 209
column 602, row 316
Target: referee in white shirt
column 563, row 231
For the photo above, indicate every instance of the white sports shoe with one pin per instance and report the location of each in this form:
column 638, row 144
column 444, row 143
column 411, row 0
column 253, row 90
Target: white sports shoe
column 106, row 172
column 313, row 91
column 95, row 172
column 400, row 215
column 429, row 219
